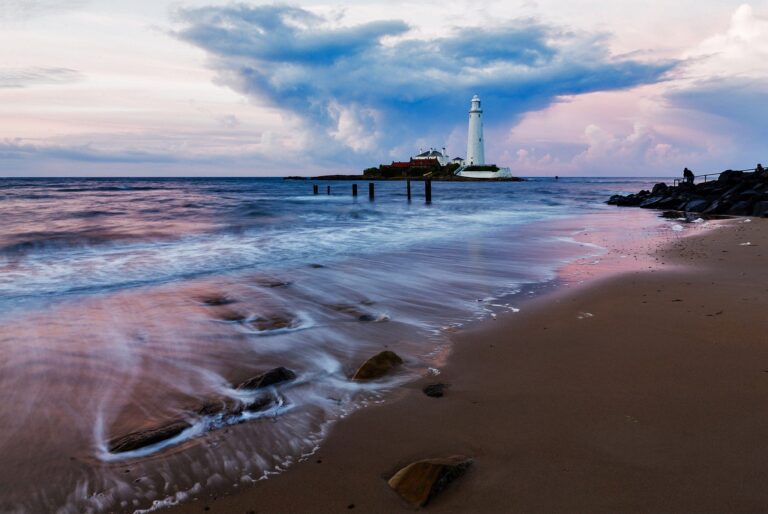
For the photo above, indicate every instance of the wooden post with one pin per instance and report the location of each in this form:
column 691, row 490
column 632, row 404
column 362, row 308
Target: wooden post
column 408, row 186
column 354, row 189
column 314, row 188
column 370, row 191
column 329, row 189
column 428, row 190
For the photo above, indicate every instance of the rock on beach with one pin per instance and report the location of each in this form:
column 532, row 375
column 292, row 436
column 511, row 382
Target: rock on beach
column 143, row 438
column 377, row 366
column 434, row 390
column 418, row 482
column 271, row 377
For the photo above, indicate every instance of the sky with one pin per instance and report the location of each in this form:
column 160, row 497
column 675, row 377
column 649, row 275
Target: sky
column 210, row 88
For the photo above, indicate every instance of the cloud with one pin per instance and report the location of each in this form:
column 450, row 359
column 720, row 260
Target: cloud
column 725, row 88
column 727, row 77
column 15, row 10
column 642, row 151
column 16, row 149
column 26, row 77
column 20, row 157
column 739, row 51
column 734, row 102
column 372, row 87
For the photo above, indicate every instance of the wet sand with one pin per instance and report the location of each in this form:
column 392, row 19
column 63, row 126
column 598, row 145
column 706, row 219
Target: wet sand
column 645, row 391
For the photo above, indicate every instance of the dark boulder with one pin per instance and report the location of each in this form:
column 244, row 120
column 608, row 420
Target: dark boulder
column 741, row 208
column 225, row 406
column 347, row 308
column 420, row 481
column 260, row 404
column 357, row 312
column 270, row 378
column 434, row 390
column 751, row 194
column 217, row 300
column 760, row 209
column 673, row 202
column 366, row 317
column 143, row 438
column 730, row 176
column 697, row 205
column 273, row 322
column 625, row 201
column 377, row 366
column 717, row 207
column 733, row 193
column 231, row 315
column 651, row 201
column 273, row 283
column 229, row 411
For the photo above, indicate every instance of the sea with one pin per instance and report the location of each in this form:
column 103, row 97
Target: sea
column 126, row 304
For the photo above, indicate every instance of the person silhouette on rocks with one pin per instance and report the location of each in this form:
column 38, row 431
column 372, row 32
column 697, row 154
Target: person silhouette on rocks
column 688, row 175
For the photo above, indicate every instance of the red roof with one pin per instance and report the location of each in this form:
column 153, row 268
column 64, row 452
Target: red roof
column 431, row 161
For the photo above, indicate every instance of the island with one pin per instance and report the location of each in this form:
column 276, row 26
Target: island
column 418, row 170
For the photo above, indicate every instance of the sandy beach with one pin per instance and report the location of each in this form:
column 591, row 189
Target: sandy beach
column 383, row 257
column 643, row 391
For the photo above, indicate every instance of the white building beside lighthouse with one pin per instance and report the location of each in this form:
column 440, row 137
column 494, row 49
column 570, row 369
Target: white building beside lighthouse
column 474, row 165
column 475, row 143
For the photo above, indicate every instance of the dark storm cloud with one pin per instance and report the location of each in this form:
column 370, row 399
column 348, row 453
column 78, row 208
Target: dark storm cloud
column 292, row 58
column 734, row 103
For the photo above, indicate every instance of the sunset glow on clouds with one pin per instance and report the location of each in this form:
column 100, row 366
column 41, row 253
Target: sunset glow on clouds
column 214, row 88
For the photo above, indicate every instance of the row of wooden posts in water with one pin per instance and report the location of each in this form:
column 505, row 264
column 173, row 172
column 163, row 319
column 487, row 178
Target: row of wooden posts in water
column 372, row 193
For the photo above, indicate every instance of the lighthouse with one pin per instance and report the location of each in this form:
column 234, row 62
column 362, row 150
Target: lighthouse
column 475, row 143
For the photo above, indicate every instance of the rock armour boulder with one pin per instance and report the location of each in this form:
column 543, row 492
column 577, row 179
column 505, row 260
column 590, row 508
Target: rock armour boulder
column 734, row 193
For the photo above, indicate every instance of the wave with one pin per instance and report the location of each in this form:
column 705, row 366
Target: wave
column 107, row 188
column 129, row 321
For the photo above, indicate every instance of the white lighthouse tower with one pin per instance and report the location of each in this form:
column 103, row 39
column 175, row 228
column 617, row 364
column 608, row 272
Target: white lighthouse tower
column 475, row 143
column 474, row 166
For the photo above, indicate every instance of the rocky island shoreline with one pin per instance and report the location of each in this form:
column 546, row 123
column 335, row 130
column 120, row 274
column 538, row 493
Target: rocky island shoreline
column 437, row 178
column 416, row 173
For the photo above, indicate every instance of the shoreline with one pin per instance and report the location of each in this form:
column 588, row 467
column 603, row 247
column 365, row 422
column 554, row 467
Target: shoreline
column 169, row 324
column 624, row 410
